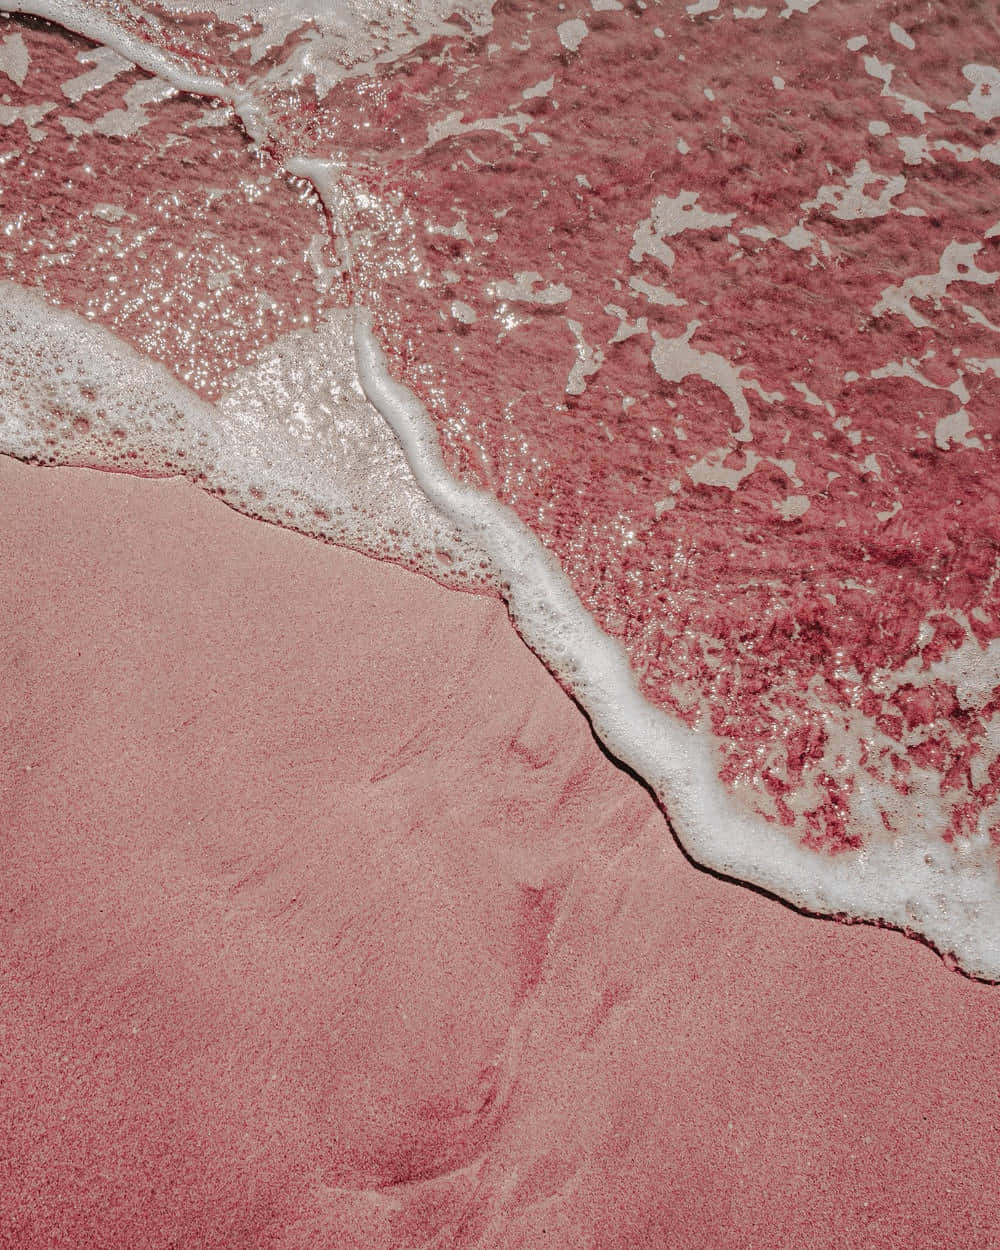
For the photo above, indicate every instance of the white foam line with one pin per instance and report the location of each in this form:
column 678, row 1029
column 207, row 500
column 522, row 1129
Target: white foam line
column 84, row 20
column 948, row 894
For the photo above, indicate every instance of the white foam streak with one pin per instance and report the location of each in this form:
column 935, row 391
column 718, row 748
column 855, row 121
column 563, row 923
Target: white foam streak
column 950, row 895
column 291, row 440
column 97, row 26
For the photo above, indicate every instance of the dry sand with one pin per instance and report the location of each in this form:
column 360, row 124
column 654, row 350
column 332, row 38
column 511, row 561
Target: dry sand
column 325, row 923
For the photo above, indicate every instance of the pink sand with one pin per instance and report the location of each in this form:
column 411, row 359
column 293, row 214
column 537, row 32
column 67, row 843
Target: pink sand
column 326, row 924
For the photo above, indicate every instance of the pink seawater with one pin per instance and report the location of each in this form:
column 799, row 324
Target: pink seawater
column 705, row 294
column 145, row 210
column 710, row 300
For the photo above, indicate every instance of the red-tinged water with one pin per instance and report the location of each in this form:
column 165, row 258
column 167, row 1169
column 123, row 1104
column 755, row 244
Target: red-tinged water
column 707, row 296
column 781, row 490
column 766, row 461
column 145, row 210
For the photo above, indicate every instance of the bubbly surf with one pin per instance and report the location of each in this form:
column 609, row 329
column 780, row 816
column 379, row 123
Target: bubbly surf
column 340, row 447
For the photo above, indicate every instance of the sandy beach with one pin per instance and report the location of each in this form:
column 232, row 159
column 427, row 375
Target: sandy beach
column 329, row 917
column 327, row 923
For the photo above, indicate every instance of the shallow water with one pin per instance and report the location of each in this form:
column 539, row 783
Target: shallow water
column 705, row 295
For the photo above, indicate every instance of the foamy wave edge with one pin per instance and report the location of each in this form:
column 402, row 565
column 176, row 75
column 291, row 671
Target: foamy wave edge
column 948, row 896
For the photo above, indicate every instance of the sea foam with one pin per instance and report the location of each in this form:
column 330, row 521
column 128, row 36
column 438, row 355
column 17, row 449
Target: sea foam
column 331, row 466
column 292, row 440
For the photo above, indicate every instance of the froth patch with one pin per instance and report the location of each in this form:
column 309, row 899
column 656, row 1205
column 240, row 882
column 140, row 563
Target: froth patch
column 292, row 40
column 292, row 440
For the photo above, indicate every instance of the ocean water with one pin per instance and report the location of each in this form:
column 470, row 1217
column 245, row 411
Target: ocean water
column 675, row 325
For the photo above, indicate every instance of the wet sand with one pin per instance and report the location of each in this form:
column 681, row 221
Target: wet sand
column 327, row 924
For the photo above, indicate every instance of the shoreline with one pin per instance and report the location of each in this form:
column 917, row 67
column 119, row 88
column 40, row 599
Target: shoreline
column 743, row 759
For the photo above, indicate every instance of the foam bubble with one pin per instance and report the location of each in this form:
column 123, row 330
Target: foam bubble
column 291, row 440
column 313, row 39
